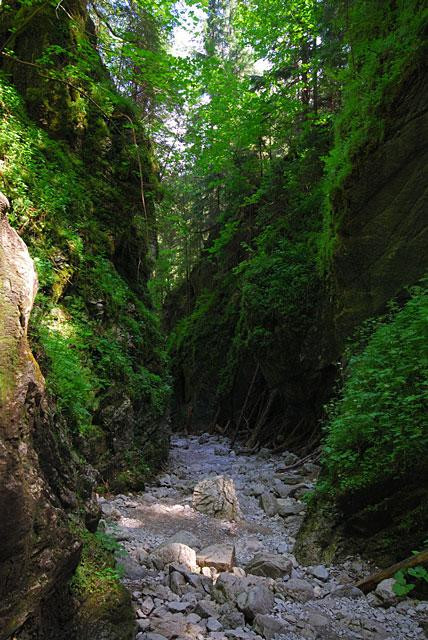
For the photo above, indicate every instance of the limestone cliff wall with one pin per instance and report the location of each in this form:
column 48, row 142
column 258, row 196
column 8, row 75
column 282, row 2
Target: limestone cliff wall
column 36, row 547
column 382, row 213
column 379, row 216
column 72, row 176
column 381, row 251
column 83, row 181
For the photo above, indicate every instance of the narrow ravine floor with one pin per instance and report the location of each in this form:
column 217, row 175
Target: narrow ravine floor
column 182, row 600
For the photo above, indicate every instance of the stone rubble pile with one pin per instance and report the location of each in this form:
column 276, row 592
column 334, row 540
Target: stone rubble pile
column 210, row 556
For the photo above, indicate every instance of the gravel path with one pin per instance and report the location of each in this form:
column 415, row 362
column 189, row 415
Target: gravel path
column 181, row 600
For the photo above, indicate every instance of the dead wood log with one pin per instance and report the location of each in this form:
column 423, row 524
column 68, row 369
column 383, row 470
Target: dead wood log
column 368, row 584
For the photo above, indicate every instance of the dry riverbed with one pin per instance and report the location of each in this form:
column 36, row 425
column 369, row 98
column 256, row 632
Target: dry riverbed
column 193, row 575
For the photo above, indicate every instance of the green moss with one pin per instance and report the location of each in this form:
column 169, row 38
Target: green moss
column 92, row 328
column 96, row 572
column 320, row 538
column 103, row 600
column 385, row 43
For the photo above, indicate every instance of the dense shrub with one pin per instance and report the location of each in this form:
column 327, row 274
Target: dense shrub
column 377, row 428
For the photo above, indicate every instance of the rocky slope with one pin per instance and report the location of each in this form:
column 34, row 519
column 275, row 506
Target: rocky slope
column 196, row 574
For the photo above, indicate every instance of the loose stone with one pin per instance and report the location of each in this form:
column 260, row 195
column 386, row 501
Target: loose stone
column 219, row 556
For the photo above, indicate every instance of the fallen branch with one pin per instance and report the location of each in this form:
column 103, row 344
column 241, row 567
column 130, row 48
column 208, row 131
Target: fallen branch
column 369, row 584
column 314, row 454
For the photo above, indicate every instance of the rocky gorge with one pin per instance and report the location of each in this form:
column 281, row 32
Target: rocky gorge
column 199, row 568
column 213, row 320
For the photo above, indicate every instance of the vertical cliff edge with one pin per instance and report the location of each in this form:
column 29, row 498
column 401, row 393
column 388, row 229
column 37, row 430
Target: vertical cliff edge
column 84, row 387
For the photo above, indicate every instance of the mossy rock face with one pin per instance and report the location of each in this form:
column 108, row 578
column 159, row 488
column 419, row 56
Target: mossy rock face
column 65, row 174
column 33, row 528
column 30, row 31
column 320, row 535
column 384, row 524
column 379, row 253
column 112, row 619
column 93, row 328
column 103, row 605
column 92, row 605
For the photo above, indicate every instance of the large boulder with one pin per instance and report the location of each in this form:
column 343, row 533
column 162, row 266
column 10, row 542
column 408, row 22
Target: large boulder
column 219, row 556
column 251, row 594
column 206, row 609
column 268, row 626
column 385, row 591
column 187, row 538
column 257, row 599
column 290, row 507
column 172, row 552
column 269, row 565
column 269, row 504
column 296, row 589
column 228, row 587
column 217, row 497
column 169, row 626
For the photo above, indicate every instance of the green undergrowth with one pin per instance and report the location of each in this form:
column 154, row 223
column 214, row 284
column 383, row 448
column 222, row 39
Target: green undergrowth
column 96, row 587
column 97, row 572
column 385, row 41
column 92, row 329
column 377, row 430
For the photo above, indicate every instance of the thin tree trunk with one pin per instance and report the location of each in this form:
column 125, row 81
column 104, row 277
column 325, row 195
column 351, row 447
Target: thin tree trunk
column 244, row 406
column 262, row 420
column 315, row 78
column 214, row 422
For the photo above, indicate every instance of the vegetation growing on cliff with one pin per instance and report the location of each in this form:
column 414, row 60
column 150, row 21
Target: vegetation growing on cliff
column 278, row 106
column 379, row 420
column 270, row 160
column 91, row 331
column 219, row 192
column 277, row 263
column 75, row 184
column 386, row 44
